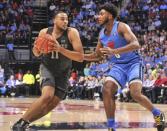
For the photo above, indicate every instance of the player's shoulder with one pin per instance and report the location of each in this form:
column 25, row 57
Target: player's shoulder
column 122, row 27
column 72, row 30
column 44, row 30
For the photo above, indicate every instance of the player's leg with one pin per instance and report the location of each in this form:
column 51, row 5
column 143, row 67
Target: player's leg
column 116, row 76
column 49, row 99
column 38, row 109
column 135, row 85
column 43, row 104
column 109, row 91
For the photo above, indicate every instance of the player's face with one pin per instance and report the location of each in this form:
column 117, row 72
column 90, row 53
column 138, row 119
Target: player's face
column 103, row 17
column 61, row 21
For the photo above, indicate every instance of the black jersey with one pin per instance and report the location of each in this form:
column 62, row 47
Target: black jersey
column 62, row 64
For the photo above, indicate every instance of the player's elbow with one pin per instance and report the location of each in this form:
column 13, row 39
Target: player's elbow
column 136, row 45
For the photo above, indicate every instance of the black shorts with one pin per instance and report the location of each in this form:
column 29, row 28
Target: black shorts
column 57, row 80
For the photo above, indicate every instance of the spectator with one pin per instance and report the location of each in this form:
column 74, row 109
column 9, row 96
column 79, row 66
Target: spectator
column 11, row 86
column 10, row 47
column 29, row 81
column 86, row 70
column 2, row 77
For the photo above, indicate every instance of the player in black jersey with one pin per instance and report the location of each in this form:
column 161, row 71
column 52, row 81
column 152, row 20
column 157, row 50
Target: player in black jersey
column 54, row 71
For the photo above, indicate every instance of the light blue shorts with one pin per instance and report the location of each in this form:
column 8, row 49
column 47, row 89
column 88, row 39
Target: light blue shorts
column 120, row 74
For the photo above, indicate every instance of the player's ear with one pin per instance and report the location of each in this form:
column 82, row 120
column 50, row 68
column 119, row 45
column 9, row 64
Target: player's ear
column 54, row 20
column 110, row 16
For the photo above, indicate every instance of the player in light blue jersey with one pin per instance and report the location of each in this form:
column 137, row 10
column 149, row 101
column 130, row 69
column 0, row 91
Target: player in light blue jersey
column 120, row 45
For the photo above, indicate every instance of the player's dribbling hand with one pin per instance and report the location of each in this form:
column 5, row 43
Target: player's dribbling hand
column 107, row 51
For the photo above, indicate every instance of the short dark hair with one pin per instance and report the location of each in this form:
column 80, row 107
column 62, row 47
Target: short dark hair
column 57, row 12
column 111, row 8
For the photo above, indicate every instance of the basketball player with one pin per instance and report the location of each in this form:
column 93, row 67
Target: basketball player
column 118, row 43
column 54, row 71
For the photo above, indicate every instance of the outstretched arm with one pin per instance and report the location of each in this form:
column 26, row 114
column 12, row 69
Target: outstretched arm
column 95, row 56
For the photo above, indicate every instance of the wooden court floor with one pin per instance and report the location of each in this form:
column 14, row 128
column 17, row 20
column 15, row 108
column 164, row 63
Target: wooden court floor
column 78, row 115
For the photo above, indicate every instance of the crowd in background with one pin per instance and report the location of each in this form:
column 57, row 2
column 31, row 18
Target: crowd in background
column 15, row 22
column 82, row 15
column 147, row 19
column 19, row 83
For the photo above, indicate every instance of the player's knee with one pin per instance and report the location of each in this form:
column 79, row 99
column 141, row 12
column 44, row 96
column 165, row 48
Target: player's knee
column 109, row 88
column 136, row 96
column 47, row 98
column 56, row 100
column 47, row 94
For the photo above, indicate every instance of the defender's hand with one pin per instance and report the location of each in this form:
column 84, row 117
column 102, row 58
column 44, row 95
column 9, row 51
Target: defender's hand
column 107, row 51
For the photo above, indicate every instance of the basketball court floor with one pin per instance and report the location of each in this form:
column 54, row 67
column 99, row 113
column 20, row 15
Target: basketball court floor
column 78, row 115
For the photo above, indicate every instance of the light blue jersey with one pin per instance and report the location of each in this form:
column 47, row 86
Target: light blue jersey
column 126, row 67
column 115, row 40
